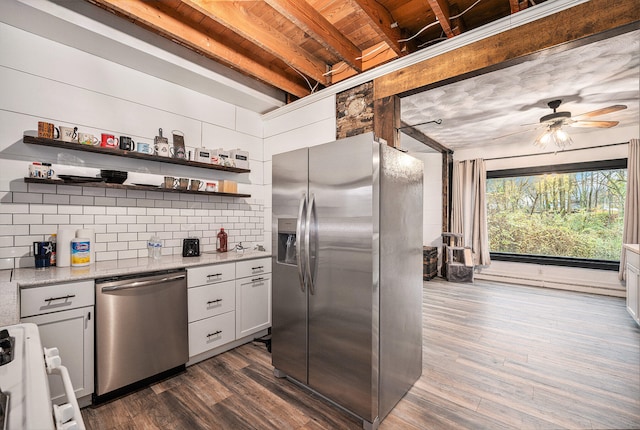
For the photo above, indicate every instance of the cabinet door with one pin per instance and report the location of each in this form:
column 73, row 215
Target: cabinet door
column 253, row 305
column 72, row 333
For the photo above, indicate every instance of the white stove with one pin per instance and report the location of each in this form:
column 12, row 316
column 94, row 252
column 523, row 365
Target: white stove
column 25, row 402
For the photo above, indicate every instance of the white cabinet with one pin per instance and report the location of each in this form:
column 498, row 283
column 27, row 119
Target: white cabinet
column 632, row 275
column 253, row 297
column 64, row 314
column 227, row 304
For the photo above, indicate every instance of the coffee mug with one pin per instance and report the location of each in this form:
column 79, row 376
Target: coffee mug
column 69, row 134
column 183, row 183
column 178, row 152
column 42, row 254
column 144, row 148
column 170, row 182
column 48, row 130
column 163, row 149
column 127, row 144
column 211, row 187
column 109, row 141
column 88, row 139
column 40, row 170
column 196, row 185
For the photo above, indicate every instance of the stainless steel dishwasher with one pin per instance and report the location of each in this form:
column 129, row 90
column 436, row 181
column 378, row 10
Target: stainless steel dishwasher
column 141, row 329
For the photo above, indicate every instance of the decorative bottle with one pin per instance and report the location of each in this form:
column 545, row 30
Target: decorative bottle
column 221, row 241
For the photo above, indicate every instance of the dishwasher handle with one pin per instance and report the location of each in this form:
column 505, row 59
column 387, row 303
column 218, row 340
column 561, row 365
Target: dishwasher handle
column 138, row 284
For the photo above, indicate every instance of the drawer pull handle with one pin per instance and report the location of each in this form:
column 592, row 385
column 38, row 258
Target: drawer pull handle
column 214, row 275
column 256, row 268
column 215, row 333
column 257, row 279
column 68, row 296
column 214, row 301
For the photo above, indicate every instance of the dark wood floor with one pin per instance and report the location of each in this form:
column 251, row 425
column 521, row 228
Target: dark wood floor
column 495, row 357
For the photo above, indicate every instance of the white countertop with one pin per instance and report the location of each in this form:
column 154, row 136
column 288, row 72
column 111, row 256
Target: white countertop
column 31, row 277
column 635, row 247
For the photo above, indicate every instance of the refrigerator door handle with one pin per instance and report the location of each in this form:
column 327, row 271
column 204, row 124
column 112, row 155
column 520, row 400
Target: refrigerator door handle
column 299, row 261
column 310, row 212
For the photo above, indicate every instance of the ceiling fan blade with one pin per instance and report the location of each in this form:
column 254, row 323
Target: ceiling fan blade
column 515, row 132
column 600, row 124
column 602, row 111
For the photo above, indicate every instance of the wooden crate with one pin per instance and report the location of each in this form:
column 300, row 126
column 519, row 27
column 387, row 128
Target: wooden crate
column 429, row 262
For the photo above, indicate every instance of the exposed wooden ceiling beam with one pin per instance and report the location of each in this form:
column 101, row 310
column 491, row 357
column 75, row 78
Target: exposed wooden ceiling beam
column 411, row 131
column 518, row 5
column 441, row 9
column 237, row 18
column 174, row 29
column 317, row 26
column 382, row 22
column 576, row 23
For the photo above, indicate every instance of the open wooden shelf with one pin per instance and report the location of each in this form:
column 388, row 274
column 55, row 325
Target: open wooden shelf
column 128, row 187
column 129, row 154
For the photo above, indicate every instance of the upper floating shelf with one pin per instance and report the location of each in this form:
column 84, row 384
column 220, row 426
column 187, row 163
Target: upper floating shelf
column 129, row 154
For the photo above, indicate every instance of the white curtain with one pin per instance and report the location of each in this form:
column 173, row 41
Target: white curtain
column 631, row 231
column 469, row 207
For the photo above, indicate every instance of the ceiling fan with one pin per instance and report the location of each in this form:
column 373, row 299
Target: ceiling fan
column 554, row 122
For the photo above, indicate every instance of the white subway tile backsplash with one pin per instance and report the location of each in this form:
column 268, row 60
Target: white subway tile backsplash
column 36, row 229
column 56, row 219
column 127, row 254
column 42, row 188
column 70, row 209
column 81, row 200
column 6, row 240
column 116, row 211
column 106, row 237
column 127, row 237
column 145, row 203
column 126, row 219
column 27, row 198
column 121, row 201
column 27, row 219
column 116, row 246
column 162, row 204
column 136, row 211
column 136, row 227
column 69, row 189
column 5, row 219
column 43, row 209
column 106, row 256
column 90, row 191
column 105, row 201
column 116, row 228
column 115, row 192
column 81, row 219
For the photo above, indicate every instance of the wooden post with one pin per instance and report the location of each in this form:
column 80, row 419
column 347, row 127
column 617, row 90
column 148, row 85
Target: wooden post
column 386, row 119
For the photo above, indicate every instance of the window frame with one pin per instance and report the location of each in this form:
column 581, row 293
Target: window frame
column 618, row 163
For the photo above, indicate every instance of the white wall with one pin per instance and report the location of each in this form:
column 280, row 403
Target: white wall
column 526, row 155
column 42, row 80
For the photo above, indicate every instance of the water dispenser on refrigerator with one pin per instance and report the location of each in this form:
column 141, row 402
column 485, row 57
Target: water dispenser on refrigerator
column 287, row 241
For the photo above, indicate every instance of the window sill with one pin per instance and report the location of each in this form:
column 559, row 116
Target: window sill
column 556, row 261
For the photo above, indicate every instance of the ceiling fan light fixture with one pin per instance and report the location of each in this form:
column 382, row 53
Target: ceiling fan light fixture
column 555, row 135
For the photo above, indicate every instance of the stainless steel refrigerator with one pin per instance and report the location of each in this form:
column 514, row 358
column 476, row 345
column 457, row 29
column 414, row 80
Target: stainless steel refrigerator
column 347, row 273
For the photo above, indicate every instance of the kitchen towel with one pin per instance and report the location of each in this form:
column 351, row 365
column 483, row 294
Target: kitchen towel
column 91, row 235
column 63, row 246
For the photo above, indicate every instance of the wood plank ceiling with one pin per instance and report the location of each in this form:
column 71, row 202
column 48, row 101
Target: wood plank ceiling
column 301, row 46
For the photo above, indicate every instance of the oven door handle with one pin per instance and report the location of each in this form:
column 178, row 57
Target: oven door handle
column 138, row 284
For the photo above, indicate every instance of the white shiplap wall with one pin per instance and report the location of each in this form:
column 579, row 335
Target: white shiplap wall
column 42, row 80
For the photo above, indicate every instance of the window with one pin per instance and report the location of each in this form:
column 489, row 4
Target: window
column 570, row 215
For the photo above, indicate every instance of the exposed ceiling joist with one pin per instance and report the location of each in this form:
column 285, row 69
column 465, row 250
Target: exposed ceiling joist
column 382, row 22
column 441, row 9
column 317, row 26
column 179, row 31
column 236, row 17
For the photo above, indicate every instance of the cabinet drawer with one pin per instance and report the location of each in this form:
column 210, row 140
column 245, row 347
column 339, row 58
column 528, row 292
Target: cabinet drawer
column 211, row 333
column 210, row 300
column 210, row 274
column 253, row 267
column 53, row 298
